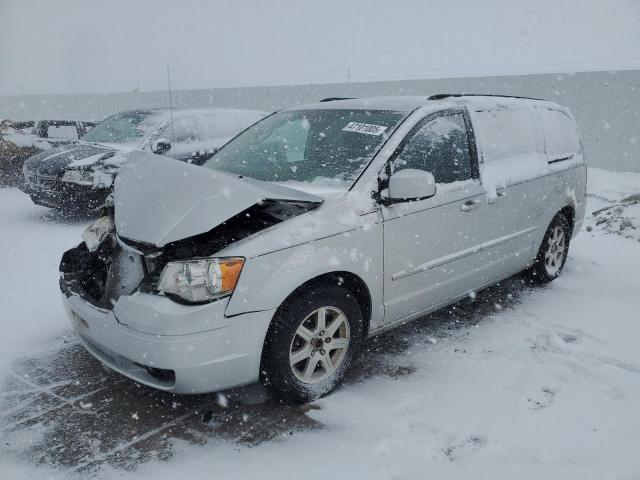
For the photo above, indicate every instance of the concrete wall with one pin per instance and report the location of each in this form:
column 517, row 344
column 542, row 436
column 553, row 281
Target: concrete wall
column 605, row 104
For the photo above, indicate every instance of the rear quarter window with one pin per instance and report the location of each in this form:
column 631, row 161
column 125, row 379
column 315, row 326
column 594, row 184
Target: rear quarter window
column 560, row 132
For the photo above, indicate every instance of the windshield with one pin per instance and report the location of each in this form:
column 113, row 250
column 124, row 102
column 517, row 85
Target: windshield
column 324, row 147
column 128, row 127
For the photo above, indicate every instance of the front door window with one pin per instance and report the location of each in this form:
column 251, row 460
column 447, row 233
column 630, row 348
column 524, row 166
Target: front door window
column 441, row 147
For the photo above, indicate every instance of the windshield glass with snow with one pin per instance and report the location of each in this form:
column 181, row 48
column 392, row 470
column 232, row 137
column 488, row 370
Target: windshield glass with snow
column 326, row 147
column 128, row 127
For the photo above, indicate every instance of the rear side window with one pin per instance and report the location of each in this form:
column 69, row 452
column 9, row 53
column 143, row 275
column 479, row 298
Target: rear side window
column 183, row 131
column 441, row 147
column 506, row 133
column 561, row 135
column 216, row 126
column 225, row 124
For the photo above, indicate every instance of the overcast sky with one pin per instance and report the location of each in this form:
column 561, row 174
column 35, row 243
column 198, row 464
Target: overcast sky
column 68, row 46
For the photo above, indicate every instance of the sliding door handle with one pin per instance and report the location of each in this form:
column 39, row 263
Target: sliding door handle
column 469, row 205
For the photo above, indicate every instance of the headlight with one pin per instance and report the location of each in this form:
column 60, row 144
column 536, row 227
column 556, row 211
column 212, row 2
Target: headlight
column 201, row 280
column 80, row 177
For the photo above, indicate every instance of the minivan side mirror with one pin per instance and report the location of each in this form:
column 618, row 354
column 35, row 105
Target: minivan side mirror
column 409, row 184
column 161, row 146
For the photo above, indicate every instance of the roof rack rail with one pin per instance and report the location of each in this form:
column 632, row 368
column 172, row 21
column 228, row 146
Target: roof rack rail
column 440, row 96
column 333, row 99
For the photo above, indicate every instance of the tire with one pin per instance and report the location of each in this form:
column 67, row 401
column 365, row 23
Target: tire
column 297, row 329
column 552, row 253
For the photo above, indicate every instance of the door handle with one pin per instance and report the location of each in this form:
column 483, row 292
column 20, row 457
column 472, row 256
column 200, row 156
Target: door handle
column 469, row 205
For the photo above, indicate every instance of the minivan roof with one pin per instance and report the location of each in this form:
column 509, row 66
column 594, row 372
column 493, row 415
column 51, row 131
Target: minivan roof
column 410, row 103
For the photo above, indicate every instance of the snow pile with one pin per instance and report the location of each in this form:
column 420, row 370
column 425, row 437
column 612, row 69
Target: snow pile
column 611, row 186
column 618, row 202
column 622, row 218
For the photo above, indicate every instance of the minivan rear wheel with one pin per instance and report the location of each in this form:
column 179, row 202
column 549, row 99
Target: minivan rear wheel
column 311, row 342
column 553, row 251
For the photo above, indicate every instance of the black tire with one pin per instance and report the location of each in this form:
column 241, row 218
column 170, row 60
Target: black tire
column 542, row 270
column 276, row 372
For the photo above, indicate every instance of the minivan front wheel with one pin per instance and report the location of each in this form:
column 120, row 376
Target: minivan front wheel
column 311, row 342
column 319, row 345
column 552, row 254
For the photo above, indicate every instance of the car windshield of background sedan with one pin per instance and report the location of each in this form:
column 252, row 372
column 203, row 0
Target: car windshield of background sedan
column 128, row 127
column 326, row 146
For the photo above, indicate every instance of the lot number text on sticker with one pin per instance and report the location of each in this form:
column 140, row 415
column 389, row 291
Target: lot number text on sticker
column 367, row 128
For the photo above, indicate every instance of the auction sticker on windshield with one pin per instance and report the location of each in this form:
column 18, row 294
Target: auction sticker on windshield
column 367, row 128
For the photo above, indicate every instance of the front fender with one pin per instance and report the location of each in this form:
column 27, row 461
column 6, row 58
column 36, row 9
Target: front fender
column 267, row 280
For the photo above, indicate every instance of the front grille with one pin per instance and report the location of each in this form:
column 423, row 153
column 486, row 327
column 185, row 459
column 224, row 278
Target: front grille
column 43, row 180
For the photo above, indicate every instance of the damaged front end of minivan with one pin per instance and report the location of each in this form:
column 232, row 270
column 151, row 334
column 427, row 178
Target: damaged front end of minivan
column 112, row 261
column 105, row 266
column 148, row 288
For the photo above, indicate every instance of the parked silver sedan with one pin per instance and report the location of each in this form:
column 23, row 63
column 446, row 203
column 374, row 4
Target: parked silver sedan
column 315, row 228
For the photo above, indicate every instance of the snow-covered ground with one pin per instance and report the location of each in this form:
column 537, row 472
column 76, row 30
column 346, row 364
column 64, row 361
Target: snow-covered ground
column 520, row 382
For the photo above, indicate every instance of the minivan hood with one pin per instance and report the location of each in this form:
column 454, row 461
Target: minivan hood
column 158, row 200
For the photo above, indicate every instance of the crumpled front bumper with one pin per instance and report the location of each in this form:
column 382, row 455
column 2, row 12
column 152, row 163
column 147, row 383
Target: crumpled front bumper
column 225, row 356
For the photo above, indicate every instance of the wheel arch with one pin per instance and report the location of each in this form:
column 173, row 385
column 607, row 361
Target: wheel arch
column 348, row 280
column 568, row 211
column 272, row 372
column 570, row 214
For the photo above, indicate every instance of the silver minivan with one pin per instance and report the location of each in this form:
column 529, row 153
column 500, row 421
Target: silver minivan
column 315, row 228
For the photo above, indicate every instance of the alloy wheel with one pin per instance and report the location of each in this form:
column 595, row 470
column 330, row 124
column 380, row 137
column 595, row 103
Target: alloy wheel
column 555, row 251
column 319, row 345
